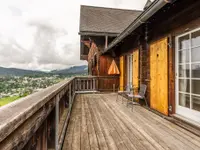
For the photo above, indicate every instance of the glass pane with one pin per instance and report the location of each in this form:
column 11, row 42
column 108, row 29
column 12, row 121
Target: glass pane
column 196, row 103
column 195, row 70
column 195, row 54
column 184, row 70
column 196, row 87
column 184, row 100
column 196, row 38
column 183, row 56
column 184, row 85
column 184, row 42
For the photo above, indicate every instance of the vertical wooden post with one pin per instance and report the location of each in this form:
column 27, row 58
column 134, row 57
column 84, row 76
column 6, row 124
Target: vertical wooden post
column 74, row 83
column 113, row 87
column 94, row 87
column 79, row 84
column 106, row 41
column 44, row 138
column 87, row 84
column 70, row 96
column 57, row 122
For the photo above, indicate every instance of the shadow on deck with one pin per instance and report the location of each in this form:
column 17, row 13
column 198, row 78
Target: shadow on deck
column 99, row 122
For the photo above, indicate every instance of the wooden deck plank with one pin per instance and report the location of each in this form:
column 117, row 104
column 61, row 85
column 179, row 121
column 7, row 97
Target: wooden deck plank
column 165, row 128
column 108, row 137
column 98, row 129
column 76, row 141
column 99, row 122
column 85, row 145
column 119, row 127
column 139, row 142
column 155, row 130
column 90, row 127
column 108, row 120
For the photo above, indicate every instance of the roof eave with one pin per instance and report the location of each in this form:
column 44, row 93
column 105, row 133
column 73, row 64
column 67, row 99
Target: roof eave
column 142, row 18
column 92, row 33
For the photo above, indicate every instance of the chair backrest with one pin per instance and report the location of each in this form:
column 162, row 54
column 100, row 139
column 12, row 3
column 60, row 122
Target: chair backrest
column 129, row 87
column 143, row 89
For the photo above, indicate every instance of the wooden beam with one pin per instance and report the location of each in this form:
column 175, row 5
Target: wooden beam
column 106, row 41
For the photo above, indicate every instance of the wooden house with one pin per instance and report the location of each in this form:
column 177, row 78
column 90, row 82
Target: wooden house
column 99, row 27
column 160, row 48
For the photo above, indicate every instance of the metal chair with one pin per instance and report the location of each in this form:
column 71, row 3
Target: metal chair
column 140, row 95
column 127, row 88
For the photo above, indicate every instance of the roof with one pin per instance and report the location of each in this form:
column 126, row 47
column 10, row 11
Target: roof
column 105, row 20
column 141, row 19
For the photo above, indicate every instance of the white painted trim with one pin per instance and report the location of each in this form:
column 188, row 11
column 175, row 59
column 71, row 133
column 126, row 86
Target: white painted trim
column 186, row 112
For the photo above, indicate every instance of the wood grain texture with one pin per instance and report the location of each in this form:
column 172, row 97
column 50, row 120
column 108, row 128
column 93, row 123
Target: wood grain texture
column 136, row 68
column 107, row 124
column 121, row 82
column 159, row 75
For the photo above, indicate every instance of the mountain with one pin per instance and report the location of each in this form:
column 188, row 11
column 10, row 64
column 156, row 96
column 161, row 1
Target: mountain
column 18, row 72
column 72, row 70
column 21, row 72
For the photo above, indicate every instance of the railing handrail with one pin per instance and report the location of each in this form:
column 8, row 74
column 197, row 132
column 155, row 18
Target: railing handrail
column 20, row 120
column 14, row 114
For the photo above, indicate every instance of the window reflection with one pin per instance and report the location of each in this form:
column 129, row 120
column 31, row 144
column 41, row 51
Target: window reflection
column 195, row 54
column 184, row 100
column 184, row 85
column 196, row 103
column 196, row 38
column 184, row 70
column 195, row 70
column 196, row 87
column 184, row 42
column 184, row 56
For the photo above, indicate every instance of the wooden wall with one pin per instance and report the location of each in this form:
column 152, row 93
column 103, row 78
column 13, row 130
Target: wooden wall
column 174, row 19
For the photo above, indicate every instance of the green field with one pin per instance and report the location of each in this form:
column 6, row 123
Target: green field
column 6, row 100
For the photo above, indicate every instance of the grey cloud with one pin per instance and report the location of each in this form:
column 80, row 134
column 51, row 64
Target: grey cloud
column 45, row 47
column 12, row 51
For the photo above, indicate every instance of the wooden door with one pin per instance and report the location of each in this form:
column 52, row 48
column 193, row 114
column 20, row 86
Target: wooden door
column 121, row 82
column 136, row 68
column 159, row 76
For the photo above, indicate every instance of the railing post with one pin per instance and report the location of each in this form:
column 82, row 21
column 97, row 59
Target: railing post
column 87, row 84
column 57, row 122
column 70, row 96
column 79, row 84
column 94, row 84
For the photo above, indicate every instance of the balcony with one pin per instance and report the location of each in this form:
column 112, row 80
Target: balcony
column 82, row 113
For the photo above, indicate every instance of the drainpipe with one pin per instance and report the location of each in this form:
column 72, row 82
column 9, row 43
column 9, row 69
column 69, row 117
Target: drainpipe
column 144, row 16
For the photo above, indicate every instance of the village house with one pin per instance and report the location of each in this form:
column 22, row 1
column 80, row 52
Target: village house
column 158, row 47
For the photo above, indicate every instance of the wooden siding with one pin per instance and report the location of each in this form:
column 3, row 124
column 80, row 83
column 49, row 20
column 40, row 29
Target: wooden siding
column 136, row 68
column 122, row 73
column 104, row 64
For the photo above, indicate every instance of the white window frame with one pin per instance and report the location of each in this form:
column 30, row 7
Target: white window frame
column 181, row 110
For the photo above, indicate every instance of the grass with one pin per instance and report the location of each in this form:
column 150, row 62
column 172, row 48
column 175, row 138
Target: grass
column 6, row 100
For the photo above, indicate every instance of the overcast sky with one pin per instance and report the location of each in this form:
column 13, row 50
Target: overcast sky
column 43, row 34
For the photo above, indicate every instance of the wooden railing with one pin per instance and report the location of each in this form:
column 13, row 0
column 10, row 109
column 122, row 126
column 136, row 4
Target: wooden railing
column 39, row 121
column 97, row 83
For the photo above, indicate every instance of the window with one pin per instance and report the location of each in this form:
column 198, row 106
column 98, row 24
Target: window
column 188, row 70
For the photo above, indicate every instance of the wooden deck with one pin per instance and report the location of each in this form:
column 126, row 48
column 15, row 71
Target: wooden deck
column 99, row 122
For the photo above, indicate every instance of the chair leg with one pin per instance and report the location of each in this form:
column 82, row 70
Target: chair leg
column 117, row 97
column 132, row 104
column 146, row 102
